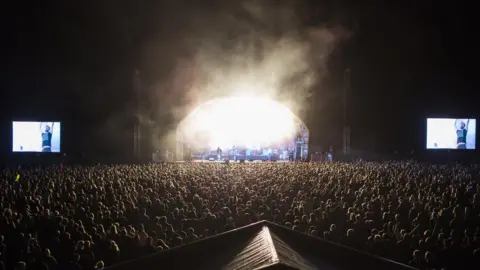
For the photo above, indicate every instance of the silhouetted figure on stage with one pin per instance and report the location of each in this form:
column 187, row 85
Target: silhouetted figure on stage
column 219, row 153
column 290, row 155
column 188, row 154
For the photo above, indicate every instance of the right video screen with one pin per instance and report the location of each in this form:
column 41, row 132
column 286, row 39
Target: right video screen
column 451, row 133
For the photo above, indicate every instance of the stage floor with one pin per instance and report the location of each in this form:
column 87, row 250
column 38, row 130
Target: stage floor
column 222, row 161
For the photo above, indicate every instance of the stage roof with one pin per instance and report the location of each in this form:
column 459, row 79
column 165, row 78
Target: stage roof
column 262, row 245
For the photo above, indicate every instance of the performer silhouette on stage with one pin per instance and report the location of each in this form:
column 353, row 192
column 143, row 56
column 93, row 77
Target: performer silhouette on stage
column 290, row 155
column 219, row 153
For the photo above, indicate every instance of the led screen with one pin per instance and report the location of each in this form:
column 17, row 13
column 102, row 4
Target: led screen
column 36, row 137
column 451, row 133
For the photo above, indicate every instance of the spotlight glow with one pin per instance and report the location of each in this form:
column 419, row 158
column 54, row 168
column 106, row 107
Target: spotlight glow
column 246, row 121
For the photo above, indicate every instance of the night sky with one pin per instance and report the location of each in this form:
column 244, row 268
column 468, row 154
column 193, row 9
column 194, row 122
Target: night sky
column 74, row 61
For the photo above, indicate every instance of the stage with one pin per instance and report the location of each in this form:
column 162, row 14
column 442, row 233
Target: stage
column 224, row 161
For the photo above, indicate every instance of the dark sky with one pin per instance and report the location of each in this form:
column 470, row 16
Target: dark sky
column 74, row 61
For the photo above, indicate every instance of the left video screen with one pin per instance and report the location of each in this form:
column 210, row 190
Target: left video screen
column 32, row 136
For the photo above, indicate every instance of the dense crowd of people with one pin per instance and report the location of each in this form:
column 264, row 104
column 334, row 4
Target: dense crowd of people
column 85, row 218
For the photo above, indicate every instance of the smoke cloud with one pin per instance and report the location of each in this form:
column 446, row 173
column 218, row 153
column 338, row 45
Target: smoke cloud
column 240, row 48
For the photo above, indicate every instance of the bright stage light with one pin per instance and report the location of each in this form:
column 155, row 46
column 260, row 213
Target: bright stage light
column 239, row 121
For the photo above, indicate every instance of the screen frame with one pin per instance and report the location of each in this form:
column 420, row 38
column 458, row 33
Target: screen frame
column 60, row 145
column 426, row 141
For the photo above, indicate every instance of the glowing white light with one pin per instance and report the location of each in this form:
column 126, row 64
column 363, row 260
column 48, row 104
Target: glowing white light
column 239, row 121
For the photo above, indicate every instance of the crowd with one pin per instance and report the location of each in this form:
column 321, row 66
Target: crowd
column 85, row 218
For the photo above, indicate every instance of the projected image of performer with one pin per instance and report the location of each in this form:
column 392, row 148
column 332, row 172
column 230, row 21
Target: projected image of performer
column 47, row 138
column 462, row 130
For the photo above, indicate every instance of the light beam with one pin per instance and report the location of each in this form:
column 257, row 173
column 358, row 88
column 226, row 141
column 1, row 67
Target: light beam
column 246, row 121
